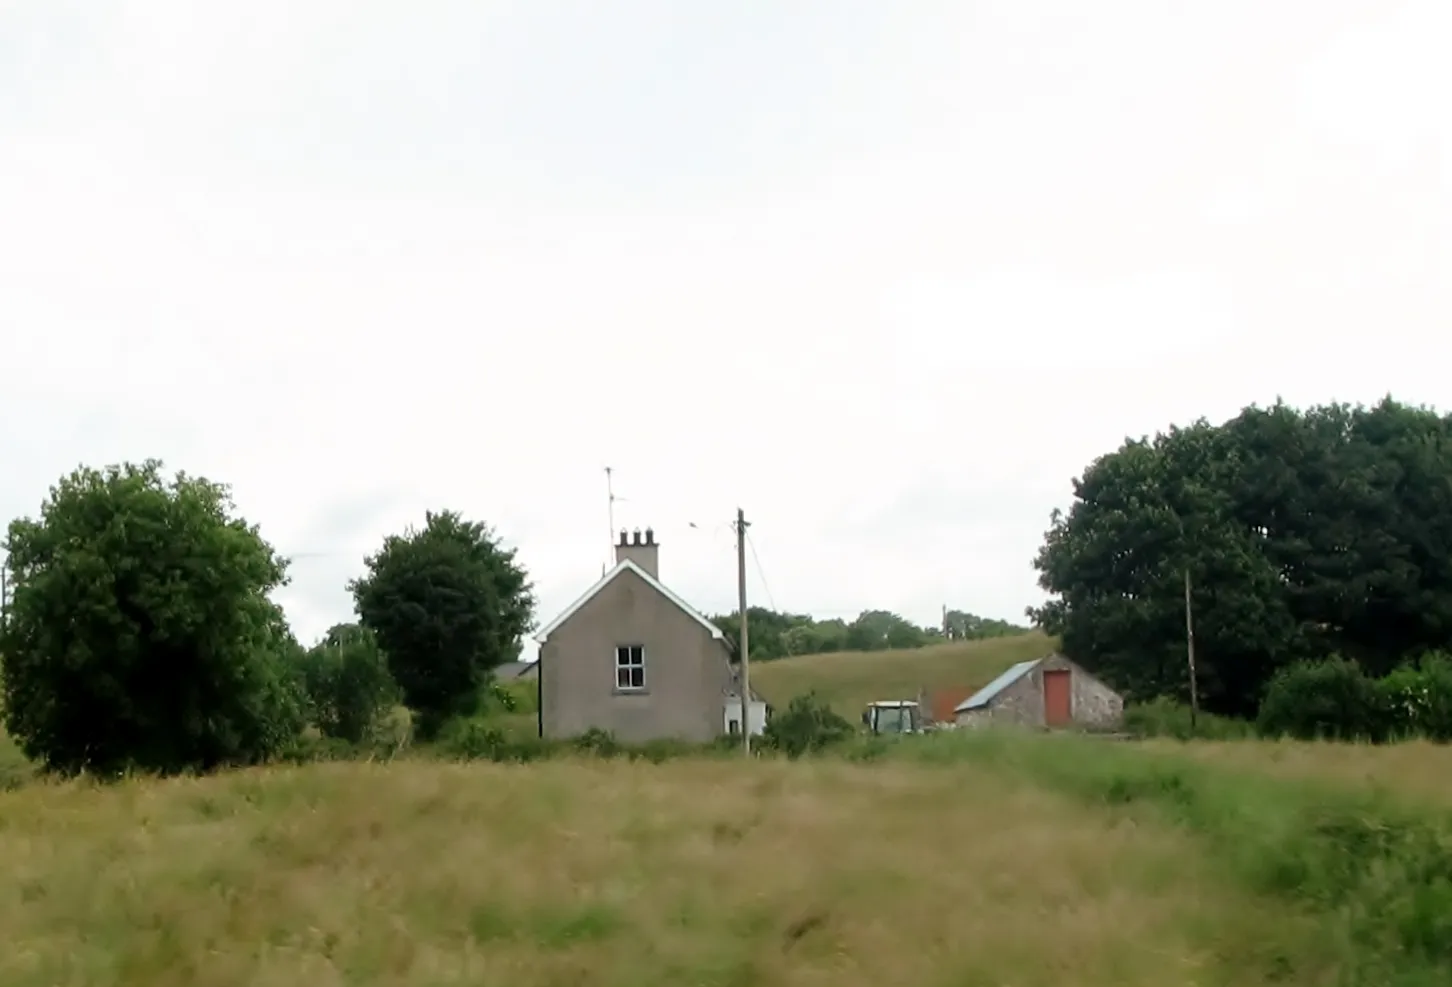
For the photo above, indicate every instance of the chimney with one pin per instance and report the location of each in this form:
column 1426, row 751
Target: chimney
column 640, row 549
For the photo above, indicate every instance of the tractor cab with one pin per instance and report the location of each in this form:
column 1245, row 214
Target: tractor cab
column 892, row 716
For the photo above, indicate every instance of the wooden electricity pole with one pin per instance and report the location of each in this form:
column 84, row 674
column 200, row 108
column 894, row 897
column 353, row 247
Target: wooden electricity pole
column 745, row 689
column 1190, row 655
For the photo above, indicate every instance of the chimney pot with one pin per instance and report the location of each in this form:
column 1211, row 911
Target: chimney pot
column 640, row 549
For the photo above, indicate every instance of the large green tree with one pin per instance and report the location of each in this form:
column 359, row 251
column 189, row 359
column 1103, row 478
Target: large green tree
column 1302, row 533
column 448, row 604
column 139, row 633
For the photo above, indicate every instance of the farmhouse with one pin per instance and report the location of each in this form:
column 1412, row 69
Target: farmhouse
column 631, row 657
column 1048, row 692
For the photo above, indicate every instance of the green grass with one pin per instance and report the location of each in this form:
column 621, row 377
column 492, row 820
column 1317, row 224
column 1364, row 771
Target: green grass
column 1374, row 868
column 15, row 770
column 1169, row 719
column 982, row 857
column 849, row 680
column 623, row 874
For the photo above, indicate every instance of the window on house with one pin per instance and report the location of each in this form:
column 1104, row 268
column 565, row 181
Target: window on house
column 630, row 667
column 734, row 726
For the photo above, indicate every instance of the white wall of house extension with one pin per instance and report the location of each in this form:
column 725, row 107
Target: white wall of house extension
column 732, row 714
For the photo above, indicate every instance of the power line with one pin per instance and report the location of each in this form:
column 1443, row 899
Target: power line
column 760, row 573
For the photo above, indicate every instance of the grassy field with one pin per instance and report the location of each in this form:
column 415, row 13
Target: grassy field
column 1415, row 771
column 709, row 872
column 991, row 858
column 850, row 680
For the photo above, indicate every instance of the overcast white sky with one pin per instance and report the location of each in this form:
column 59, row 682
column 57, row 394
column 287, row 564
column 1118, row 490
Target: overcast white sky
column 886, row 275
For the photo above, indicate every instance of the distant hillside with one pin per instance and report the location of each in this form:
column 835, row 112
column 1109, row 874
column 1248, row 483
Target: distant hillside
column 851, row 679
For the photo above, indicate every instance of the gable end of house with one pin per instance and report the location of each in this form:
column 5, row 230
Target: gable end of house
column 623, row 566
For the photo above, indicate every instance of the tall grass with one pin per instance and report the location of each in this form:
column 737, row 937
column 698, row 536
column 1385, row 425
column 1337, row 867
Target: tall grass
column 620, row 874
column 1411, row 771
column 1377, row 870
column 1169, row 719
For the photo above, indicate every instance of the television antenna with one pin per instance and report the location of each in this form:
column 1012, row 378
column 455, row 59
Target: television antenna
column 611, row 498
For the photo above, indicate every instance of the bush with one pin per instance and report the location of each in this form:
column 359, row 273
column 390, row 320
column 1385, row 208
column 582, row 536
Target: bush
column 479, row 739
column 1163, row 717
column 601, row 743
column 350, row 691
column 472, row 738
column 1417, row 700
column 808, row 724
column 1324, row 700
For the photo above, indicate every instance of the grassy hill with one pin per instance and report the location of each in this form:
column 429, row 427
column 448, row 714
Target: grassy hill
column 851, row 679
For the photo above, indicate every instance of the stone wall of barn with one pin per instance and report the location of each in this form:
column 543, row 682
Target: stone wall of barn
column 1093, row 705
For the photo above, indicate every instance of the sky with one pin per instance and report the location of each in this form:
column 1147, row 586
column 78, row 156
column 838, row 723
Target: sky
column 886, row 276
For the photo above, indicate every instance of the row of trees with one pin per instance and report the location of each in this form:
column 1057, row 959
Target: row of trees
column 775, row 634
column 1302, row 535
column 139, row 632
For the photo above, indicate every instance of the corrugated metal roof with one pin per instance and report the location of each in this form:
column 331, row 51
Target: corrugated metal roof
column 985, row 695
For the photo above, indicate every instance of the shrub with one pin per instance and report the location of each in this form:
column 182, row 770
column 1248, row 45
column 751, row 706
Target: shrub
column 1163, row 717
column 1324, row 700
column 666, row 749
column 1417, row 699
column 472, row 738
column 350, row 691
column 601, row 743
column 807, row 724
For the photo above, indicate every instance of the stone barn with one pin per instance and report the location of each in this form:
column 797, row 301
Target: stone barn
column 1050, row 692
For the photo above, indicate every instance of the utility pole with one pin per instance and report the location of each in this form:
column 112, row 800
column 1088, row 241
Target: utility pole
column 1190, row 655
column 4, row 591
column 745, row 649
column 945, row 621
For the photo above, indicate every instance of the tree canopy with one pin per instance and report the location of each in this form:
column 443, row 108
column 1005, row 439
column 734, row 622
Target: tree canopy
column 448, row 604
column 139, row 633
column 1304, row 533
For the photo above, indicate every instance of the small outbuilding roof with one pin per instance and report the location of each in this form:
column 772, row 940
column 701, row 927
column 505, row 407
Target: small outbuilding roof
column 986, row 695
column 513, row 669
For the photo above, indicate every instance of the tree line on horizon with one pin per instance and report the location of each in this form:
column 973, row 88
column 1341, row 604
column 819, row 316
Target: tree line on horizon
column 1322, row 534
column 777, row 634
column 139, row 632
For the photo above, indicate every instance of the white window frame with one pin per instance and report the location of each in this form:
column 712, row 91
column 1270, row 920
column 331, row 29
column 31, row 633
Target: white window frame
column 630, row 668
